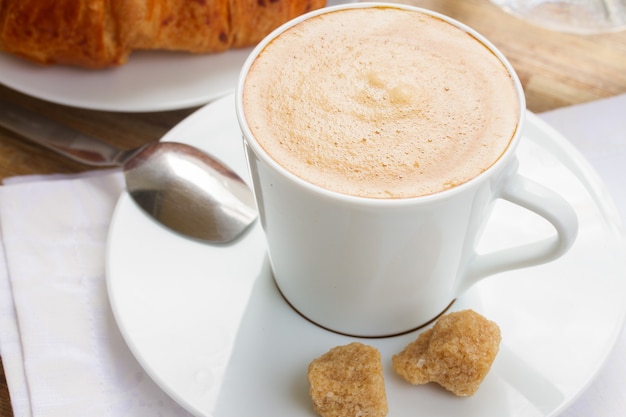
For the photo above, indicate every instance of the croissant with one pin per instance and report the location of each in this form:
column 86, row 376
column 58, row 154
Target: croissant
column 103, row 33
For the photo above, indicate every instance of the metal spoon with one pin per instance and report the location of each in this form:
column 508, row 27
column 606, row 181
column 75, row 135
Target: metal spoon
column 180, row 186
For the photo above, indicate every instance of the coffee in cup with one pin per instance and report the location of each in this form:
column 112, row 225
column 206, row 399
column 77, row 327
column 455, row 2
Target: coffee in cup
column 380, row 102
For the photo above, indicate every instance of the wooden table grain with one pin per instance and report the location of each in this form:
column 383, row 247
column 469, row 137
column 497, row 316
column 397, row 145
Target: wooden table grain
column 556, row 70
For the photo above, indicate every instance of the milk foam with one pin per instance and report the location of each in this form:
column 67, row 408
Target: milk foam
column 380, row 102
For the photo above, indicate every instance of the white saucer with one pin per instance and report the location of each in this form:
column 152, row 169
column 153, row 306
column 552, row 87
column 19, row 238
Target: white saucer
column 208, row 325
column 150, row 81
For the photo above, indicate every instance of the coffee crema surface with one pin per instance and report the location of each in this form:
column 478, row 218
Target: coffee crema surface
column 380, row 102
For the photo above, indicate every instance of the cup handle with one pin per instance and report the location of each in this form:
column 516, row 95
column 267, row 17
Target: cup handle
column 547, row 204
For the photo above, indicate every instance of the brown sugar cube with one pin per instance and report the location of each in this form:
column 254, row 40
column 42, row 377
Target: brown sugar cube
column 456, row 353
column 348, row 381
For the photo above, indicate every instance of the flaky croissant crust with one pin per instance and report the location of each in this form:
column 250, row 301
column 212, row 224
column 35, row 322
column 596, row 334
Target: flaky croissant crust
column 103, row 33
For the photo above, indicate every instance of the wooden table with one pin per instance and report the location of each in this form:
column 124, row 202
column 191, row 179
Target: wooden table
column 556, row 70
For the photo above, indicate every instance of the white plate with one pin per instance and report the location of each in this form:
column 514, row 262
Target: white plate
column 150, row 81
column 208, row 325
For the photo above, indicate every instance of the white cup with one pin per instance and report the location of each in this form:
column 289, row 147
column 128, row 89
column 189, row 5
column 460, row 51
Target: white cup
column 378, row 267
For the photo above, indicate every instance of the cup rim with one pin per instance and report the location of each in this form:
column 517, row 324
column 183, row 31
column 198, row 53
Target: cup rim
column 249, row 139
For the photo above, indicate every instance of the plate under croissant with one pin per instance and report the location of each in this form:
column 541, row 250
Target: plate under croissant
column 209, row 326
column 150, row 81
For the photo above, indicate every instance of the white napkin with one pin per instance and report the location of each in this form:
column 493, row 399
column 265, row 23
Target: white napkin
column 62, row 352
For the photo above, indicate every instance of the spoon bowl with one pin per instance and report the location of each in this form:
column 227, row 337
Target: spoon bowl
column 189, row 191
column 186, row 190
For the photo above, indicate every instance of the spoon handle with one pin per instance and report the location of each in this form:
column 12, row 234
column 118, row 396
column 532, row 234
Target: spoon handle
column 54, row 136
